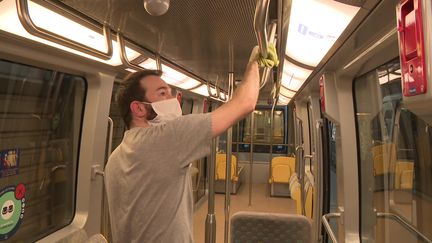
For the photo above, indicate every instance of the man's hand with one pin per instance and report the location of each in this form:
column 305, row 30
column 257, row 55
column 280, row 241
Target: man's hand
column 270, row 61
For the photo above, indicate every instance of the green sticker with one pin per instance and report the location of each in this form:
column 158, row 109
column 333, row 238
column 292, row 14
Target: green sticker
column 12, row 203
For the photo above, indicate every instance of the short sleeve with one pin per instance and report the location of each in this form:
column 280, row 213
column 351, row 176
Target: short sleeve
column 192, row 137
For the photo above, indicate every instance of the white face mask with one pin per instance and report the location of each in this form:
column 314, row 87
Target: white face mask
column 166, row 110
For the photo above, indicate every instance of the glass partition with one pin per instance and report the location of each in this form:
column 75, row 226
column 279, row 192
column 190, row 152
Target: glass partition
column 262, row 131
column 41, row 116
column 395, row 161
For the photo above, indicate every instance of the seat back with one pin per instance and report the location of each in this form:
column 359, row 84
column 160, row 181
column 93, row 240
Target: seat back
column 309, row 199
column 77, row 236
column 281, row 173
column 406, row 179
column 404, row 174
column 221, row 167
column 295, row 188
column 282, row 169
column 270, row 227
column 382, row 156
column 97, row 238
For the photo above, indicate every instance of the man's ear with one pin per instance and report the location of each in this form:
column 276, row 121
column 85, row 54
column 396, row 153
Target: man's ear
column 179, row 97
column 137, row 109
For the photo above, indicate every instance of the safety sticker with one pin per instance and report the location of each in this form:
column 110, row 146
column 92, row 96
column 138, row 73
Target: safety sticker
column 9, row 159
column 12, row 203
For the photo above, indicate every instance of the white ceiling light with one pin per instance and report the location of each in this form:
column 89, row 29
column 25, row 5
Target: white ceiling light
column 388, row 77
column 283, row 100
column 314, row 27
column 156, row 7
column 202, row 90
column 149, row 63
column 171, row 76
column 297, row 72
column 189, row 83
column 56, row 23
column 285, row 92
column 294, row 76
column 291, row 82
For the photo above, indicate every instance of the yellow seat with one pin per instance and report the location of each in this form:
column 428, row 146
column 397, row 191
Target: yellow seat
column 309, row 200
column 406, row 168
column 295, row 195
column 221, row 167
column 406, row 179
column 382, row 156
column 281, row 169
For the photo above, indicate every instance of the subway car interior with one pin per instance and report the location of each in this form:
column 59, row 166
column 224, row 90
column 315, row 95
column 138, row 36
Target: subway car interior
column 338, row 148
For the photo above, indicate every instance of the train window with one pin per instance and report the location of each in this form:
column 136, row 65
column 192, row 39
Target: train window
column 262, row 131
column 187, row 106
column 41, row 116
column 395, row 159
column 114, row 113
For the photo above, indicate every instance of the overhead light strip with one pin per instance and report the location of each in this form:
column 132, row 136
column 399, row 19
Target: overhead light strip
column 63, row 28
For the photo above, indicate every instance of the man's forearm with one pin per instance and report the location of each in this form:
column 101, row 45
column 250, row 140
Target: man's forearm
column 247, row 93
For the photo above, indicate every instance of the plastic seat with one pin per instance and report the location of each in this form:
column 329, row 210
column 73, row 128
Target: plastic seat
column 404, row 174
column 295, row 187
column 382, row 156
column 406, row 179
column 269, row 227
column 309, row 199
column 281, row 169
column 80, row 236
column 221, row 167
column 97, row 238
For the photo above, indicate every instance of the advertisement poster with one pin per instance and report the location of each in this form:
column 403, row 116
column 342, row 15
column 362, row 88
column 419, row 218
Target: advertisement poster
column 12, row 203
column 9, row 159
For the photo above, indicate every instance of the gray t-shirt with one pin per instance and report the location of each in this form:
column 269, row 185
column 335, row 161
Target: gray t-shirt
column 148, row 182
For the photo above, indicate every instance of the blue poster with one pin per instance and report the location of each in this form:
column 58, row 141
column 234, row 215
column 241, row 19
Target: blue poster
column 9, row 159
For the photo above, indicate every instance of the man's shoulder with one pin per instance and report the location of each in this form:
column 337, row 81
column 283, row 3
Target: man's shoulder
column 194, row 117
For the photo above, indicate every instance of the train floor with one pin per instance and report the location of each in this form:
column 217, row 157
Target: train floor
column 261, row 202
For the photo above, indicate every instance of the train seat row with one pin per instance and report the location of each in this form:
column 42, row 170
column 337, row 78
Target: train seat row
column 237, row 174
column 386, row 164
column 282, row 169
column 295, row 193
column 270, row 227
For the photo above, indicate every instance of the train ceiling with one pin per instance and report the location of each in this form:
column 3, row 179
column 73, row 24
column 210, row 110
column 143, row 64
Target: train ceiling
column 196, row 35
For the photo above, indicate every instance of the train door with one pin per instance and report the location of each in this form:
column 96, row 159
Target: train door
column 116, row 129
column 329, row 182
column 314, row 195
column 395, row 161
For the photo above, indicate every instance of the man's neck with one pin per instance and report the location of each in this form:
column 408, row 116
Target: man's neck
column 139, row 123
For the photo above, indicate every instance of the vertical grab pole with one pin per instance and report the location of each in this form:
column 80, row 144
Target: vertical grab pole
column 210, row 227
column 271, row 143
column 228, row 168
column 251, row 158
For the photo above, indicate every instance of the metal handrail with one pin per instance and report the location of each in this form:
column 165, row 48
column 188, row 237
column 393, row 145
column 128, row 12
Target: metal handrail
column 405, row 224
column 325, row 221
column 267, row 71
column 110, row 135
column 225, row 97
column 274, row 144
column 28, row 24
column 158, row 62
column 228, row 183
column 260, row 25
column 217, row 95
column 210, row 226
column 123, row 56
column 251, row 157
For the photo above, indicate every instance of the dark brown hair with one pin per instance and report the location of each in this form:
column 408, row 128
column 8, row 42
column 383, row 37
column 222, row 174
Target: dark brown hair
column 131, row 90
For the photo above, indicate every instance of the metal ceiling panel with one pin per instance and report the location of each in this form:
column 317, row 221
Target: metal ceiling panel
column 194, row 34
